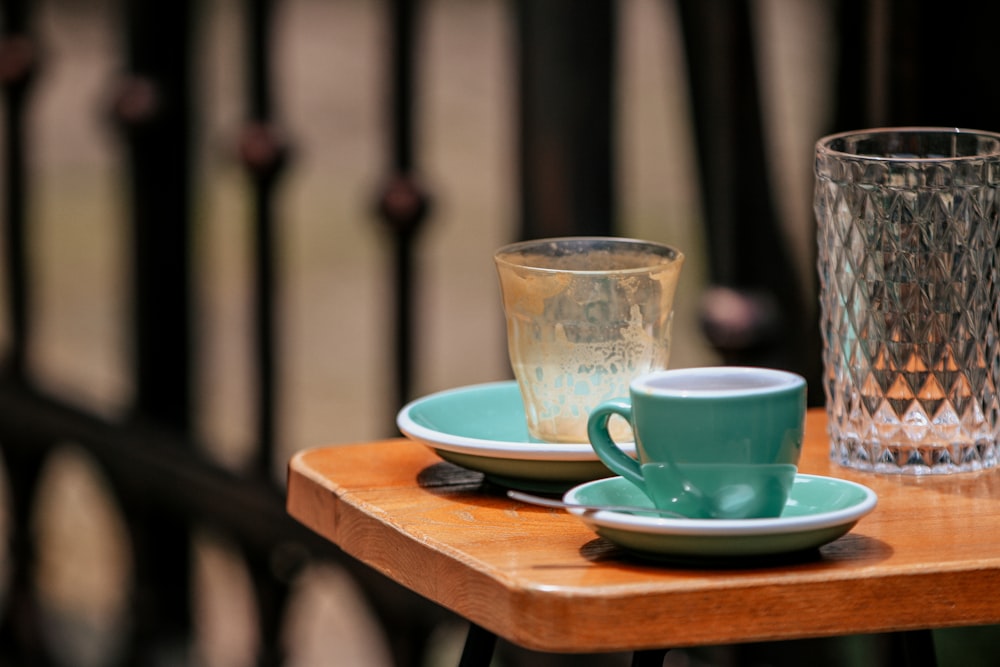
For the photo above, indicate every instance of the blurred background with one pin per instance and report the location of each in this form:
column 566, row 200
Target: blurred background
column 75, row 587
column 330, row 89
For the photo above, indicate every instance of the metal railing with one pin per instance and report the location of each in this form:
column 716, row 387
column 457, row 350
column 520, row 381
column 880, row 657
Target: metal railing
column 163, row 483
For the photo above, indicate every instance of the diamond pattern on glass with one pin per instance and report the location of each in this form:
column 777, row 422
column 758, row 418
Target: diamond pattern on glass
column 908, row 273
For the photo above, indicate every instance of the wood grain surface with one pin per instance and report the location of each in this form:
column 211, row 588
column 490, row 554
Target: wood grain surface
column 927, row 557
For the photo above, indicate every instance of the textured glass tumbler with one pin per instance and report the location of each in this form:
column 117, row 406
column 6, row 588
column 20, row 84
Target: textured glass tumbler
column 908, row 240
column 585, row 315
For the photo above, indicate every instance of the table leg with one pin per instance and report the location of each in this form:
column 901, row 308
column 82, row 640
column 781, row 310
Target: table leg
column 650, row 658
column 915, row 648
column 479, row 646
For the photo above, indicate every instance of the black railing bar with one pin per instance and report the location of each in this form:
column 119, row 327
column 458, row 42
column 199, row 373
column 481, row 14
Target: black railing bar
column 259, row 18
column 15, row 15
column 18, row 62
column 566, row 112
column 154, row 108
column 405, row 290
column 403, row 204
column 15, row 252
column 264, row 154
column 267, row 331
column 402, row 70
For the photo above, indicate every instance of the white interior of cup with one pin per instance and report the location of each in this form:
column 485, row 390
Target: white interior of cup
column 716, row 381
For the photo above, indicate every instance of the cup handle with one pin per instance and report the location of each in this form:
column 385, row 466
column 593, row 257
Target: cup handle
column 604, row 446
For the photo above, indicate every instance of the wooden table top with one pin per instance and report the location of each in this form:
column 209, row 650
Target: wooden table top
column 927, row 557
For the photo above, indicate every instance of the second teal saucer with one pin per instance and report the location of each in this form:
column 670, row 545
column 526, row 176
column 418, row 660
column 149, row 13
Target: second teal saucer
column 483, row 427
column 819, row 510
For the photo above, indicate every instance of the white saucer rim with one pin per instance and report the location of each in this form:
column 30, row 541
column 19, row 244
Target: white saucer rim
column 523, row 450
column 727, row 527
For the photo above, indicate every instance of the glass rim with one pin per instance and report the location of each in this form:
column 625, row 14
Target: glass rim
column 823, row 145
column 667, row 253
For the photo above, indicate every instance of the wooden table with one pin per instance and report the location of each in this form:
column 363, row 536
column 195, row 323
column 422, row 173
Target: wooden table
column 927, row 557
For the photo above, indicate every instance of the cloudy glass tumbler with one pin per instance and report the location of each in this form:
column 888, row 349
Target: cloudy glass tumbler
column 908, row 239
column 585, row 315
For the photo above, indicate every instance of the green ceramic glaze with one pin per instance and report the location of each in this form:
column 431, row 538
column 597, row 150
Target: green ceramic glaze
column 819, row 510
column 483, row 412
column 718, row 442
column 483, row 427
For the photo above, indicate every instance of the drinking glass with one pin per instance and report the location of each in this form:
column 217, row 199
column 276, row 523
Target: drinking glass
column 585, row 315
column 908, row 267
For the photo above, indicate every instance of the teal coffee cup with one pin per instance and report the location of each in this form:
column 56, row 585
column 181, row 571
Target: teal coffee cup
column 715, row 442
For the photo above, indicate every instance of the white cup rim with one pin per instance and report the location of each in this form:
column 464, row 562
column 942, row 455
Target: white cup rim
column 778, row 381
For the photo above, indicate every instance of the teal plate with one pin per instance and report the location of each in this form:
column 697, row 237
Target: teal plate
column 482, row 427
column 819, row 510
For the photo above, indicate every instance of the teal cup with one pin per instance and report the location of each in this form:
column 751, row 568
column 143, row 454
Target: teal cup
column 716, row 442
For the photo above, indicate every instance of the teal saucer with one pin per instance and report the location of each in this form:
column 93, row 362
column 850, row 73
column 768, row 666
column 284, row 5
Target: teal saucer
column 482, row 427
column 819, row 510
